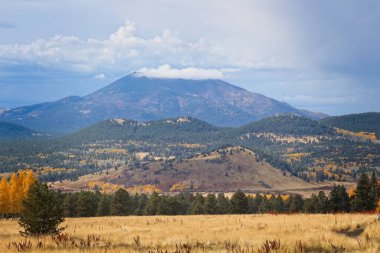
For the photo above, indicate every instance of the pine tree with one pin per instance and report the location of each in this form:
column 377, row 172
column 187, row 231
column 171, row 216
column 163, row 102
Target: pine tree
column 239, row 203
column 311, row 204
column 197, row 205
column 339, row 201
column 363, row 200
column 322, row 204
column 42, row 211
column 222, row 204
column 141, row 204
column 87, row 204
column 70, row 205
column 120, row 203
column 375, row 187
column 210, row 206
column 295, row 203
column 152, row 204
column 279, row 204
column 104, row 206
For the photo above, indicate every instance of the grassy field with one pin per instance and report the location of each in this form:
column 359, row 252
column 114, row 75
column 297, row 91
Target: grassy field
column 184, row 234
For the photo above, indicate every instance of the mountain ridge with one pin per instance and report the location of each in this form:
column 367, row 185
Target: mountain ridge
column 143, row 99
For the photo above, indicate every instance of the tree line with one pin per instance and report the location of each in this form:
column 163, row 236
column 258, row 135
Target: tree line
column 365, row 198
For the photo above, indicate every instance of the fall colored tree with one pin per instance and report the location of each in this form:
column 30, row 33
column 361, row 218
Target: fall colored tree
column 15, row 190
column 4, row 196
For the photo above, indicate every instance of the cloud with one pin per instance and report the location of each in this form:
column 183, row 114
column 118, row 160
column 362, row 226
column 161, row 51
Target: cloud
column 121, row 52
column 166, row 71
column 100, row 76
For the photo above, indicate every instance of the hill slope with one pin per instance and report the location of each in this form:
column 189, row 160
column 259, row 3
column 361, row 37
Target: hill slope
column 14, row 131
column 141, row 98
column 362, row 122
column 224, row 170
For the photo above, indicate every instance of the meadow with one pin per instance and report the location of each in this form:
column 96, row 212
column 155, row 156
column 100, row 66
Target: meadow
column 204, row 233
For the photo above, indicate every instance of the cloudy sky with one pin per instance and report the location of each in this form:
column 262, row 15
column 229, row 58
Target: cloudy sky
column 320, row 55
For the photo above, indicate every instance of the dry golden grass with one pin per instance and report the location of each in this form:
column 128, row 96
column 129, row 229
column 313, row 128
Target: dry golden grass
column 229, row 233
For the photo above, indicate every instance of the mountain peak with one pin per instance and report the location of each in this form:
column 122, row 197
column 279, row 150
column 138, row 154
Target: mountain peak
column 142, row 98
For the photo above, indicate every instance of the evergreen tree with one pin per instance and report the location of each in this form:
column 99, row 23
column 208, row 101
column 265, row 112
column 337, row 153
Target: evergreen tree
column 295, row 203
column 363, row 200
column 322, row 204
column 152, row 204
column 311, row 204
column 42, row 211
column 197, row 205
column 210, row 206
column 255, row 204
column 87, row 203
column 264, row 205
column 141, row 204
column 120, row 203
column 239, row 203
column 167, row 206
column 375, row 187
column 70, row 205
column 184, row 200
column 279, row 204
column 104, row 206
column 222, row 204
column 339, row 200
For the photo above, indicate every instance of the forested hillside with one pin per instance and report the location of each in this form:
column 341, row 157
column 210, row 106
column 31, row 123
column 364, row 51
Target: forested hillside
column 296, row 145
column 362, row 122
column 14, row 131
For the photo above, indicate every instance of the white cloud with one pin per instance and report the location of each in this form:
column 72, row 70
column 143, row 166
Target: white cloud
column 100, row 76
column 166, row 71
column 121, row 52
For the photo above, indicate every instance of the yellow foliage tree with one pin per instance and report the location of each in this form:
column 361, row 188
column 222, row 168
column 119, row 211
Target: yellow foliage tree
column 378, row 207
column 13, row 192
column 4, row 196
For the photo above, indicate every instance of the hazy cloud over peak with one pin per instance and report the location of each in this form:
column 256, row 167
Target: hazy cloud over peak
column 166, row 71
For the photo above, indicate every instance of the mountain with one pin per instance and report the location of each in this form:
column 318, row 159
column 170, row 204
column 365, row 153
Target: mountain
column 361, row 122
column 14, row 131
column 142, row 98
